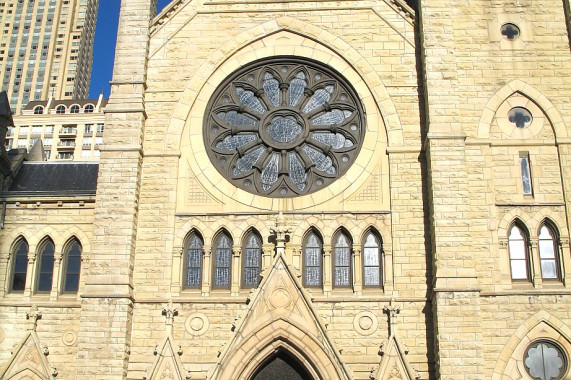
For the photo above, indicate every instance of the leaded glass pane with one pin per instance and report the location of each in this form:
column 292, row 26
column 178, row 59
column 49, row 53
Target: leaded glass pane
column 312, row 255
column 519, row 270
column 319, row 98
column 272, row 89
column 194, row 262
column 249, row 100
column 372, row 277
column 334, row 140
column 296, row 88
column 237, row 119
column 270, row 172
column 233, row 142
column 284, row 129
column 46, row 268
column 525, row 175
column 546, row 250
column 548, row 269
column 252, row 261
column 193, row 277
column 268, row 116
column 297, row 171
column 517, row 244
column 245, row 163
column 330, row 118
column 222, row 261
column 342, row 276
column 20, row 268
column 342, row 261
column 544, row 361
column 320, row 160
column 72, row 267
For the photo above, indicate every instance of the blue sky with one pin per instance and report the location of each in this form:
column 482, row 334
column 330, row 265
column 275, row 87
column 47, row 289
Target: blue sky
column 104, row 46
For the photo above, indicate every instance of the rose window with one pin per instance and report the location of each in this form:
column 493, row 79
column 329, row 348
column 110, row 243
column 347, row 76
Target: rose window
column 283, row 128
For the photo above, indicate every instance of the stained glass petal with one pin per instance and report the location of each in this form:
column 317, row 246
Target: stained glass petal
column 246, row 162
column 270, row 172
column 296, row 88
column 297, row 171
column 320, row 160
column 233, row 142
column 248, row 99
column 237, row 119
column 334, row 140
column 334, row 117
column 272, row 89
column 319, row 98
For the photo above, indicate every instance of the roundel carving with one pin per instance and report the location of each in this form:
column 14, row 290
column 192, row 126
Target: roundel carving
column 284, row 127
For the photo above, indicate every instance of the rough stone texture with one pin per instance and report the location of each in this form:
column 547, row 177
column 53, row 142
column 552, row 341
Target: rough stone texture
column 438, row 179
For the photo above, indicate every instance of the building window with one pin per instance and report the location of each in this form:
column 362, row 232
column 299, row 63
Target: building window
column 88, row 128
column 60, row 109
column 312, row 262
column 545, row 360
column 45, row 267
column 302, row 127
column 193, row 261
column 525, row 173
column 100, row 128
column 20, row 266
column 74, row 109
column 88, row 108
column 548, row 253
column 222, row 261
column 252, row 260
column 518, row 250
column 72, row 267
column 38, row 110
column 372, row 249
column 342, row 261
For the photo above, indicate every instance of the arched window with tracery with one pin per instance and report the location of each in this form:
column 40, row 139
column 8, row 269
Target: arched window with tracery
column 45, row 266
column 222, row 261
column 72, row 266
column 313, row 260
column 518, row 243
column 193, row 261
column 342, row 268
column 548, row 252
column 19, row 266
column 372, row 268
column 252, row 260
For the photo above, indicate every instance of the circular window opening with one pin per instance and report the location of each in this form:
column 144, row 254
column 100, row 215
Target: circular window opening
column 510, row 31
column 545, row 360
column 284, row 127
column 520, row 117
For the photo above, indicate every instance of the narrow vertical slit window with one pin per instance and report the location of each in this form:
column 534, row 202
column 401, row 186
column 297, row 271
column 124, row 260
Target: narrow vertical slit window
column 20, row 267
column 72, row 267
column 548, row 254
column 342, row 261
column 222, row 261
column 313, row 261
column 525, row 173
column 193, row 259
column 46, row 267
column 518, row 254
column 252, row 261
column 371, row 261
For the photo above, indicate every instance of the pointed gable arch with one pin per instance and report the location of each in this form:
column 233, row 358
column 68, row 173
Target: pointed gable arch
column 541, row 326
column 167, row 363
column 519, row 87
column 279, row 317
column 29, row 361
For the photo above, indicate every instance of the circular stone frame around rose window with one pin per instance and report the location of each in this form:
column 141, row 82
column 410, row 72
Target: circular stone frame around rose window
column 284, row 127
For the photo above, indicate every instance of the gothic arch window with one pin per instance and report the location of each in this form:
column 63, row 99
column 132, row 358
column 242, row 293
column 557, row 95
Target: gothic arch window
column 342, row 268
column 284, row 127
column 45, row 266
column 313, row 260
column 19, row 266
column 71, row 266
column 548, row 252
column 222, row 269
column 194, row 249
column 518, row 245
column 252, row 260
column 372, row 256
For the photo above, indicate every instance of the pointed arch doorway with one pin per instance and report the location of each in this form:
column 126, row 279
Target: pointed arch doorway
column 281, row 366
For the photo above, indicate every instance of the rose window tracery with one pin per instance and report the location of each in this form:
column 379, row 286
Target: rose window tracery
column 284, row 127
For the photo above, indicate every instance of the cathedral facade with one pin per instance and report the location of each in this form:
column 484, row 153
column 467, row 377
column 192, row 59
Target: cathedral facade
column 306, row 190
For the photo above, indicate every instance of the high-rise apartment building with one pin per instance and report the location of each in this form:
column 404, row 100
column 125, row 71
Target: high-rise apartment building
column 46, row 49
